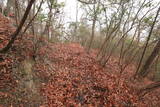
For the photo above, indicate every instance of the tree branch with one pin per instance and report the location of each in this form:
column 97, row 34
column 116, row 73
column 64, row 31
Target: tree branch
column 30, row 22
column 16, row 33
column 90, row 2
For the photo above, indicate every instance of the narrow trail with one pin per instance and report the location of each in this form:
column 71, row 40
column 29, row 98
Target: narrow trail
column 63, row 75
column 78, row 80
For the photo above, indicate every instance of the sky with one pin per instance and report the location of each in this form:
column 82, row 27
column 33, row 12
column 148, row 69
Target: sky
column 70, row 10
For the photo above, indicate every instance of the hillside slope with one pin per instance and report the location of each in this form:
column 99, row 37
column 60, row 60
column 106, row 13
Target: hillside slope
column 78, row 80
column 58, row 75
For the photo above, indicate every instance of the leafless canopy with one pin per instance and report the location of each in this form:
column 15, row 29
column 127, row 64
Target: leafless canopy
column 88, row 2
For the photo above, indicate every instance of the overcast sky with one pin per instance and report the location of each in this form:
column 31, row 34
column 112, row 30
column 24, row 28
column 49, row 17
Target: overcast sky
column 70, row 10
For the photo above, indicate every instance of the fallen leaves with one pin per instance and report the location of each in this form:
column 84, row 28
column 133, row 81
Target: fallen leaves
column 69, row 76
column 80, row 81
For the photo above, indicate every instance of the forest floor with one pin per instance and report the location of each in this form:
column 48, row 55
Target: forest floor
column 63, row 75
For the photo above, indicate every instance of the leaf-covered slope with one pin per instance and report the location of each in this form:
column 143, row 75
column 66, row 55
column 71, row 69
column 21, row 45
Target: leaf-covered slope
column 69, row 76
column 78, row 80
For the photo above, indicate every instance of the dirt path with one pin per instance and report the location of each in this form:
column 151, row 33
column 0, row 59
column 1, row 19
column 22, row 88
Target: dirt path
column 69, row 77
column 79, row 81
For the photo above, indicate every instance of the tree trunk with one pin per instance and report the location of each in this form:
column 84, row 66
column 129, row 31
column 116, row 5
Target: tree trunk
column 148, row 63
column 30, row 22
column 149, row 88
column 93, row 26
column 17, row 13
column 10, row 3
column 48, row 23
column 148, row 39
column 1, row 6
column 92, row 36
column 32, row 25
column 16, row 33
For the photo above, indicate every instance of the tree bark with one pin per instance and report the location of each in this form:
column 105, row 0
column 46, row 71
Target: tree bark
column 9, row 2
column 17, row 13
column 10, row 7
column 16, row 33
column 49, row 21
column 149, row 88
column 148, row 63
column 93, row 24
column 85, row 2
column 30, row 22
column 92, row 36
column 148, row 39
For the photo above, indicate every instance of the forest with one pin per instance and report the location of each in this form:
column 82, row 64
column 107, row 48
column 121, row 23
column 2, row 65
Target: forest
column 79, row 53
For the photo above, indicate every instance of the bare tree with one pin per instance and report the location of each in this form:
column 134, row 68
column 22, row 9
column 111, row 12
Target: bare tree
column 151, row 58
column 33, row 18
column 88, row 2
column 16, row 33
column 145, row 69
column 2, row 6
